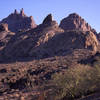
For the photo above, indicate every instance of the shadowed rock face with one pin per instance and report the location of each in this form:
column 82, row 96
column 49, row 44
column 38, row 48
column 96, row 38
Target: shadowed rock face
column 31, row 39
column 48, row 19
column 19, row 21
column 75, row 22
column 3, row 27
column 3, row 31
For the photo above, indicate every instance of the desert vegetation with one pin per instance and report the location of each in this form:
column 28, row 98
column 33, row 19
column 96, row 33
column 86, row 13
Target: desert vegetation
column 76, row 82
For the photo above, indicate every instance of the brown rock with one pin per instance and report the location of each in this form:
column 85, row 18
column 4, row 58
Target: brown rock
column 19, row 21
column 48, row 19
column 48, row 40
column 51, row 42
column 75, row 22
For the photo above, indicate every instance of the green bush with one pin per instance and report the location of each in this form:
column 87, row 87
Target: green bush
column 76, row 82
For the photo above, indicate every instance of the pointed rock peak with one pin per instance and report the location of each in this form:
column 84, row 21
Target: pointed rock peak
column 15, row 12
column 31, row 17
column 22, row 12
column 48, row 19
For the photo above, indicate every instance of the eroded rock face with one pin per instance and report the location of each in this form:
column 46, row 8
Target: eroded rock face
column 19, row 21
column 75, row 22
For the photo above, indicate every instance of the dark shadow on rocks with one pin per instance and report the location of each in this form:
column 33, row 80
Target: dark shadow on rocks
column 19, row 84
column 90, row 60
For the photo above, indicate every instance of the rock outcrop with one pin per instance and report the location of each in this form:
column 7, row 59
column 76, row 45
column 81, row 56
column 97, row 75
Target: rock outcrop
column 75, row 22
column 48, row 40
column 5, row 35
column 65, row 43
column 49, row 22
column 31, row 39
column 3, row 27
column 4, row 31
column 19, row 21
column 48, row 19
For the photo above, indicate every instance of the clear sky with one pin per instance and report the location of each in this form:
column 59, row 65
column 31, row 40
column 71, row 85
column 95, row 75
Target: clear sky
column 88, row 9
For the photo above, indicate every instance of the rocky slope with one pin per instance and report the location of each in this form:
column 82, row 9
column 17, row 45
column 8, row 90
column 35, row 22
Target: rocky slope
column 63, row 47
column 49, row 40
column 19, row 21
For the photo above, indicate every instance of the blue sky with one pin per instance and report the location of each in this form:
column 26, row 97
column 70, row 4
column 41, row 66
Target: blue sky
column 88, row 9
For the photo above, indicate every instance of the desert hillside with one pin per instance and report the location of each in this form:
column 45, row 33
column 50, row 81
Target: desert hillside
column 48, row 61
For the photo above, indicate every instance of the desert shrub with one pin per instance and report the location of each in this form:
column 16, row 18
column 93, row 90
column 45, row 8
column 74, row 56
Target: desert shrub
column 76, row 82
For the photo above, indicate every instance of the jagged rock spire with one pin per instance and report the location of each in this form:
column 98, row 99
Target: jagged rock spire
column 15, row 12
column 22, row 12
column 48, row 19
column 3, row 27
column 19, row 21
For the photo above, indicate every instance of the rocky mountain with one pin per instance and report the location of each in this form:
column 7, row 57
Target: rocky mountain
column 75, row 22
column 19, row 21
column 49, row 40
